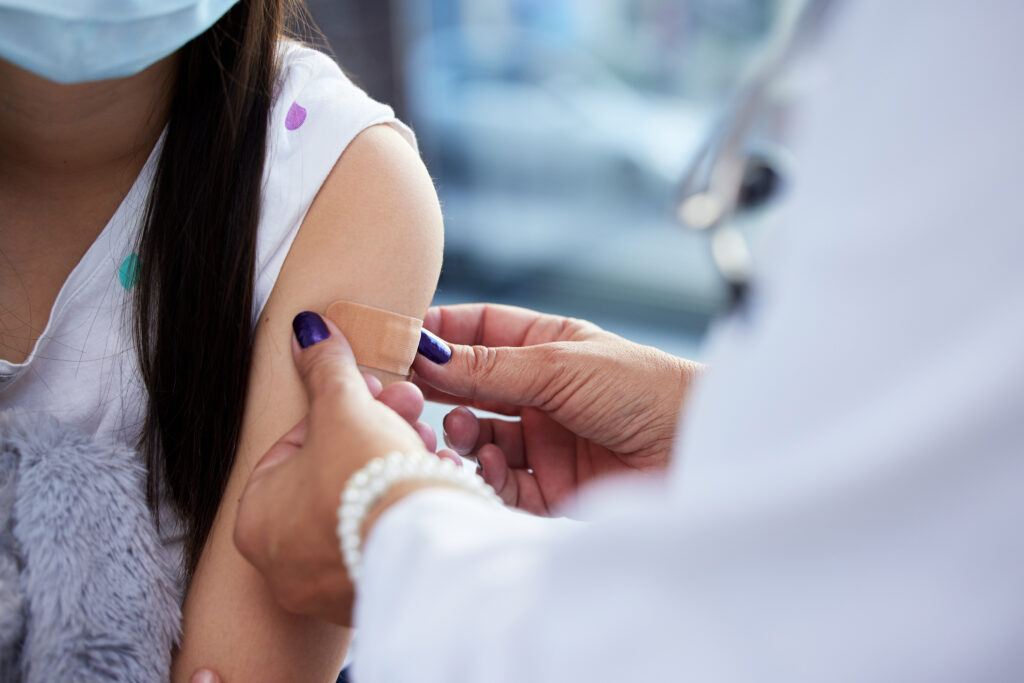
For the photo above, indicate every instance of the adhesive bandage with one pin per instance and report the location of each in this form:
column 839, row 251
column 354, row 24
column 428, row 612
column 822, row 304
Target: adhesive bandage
column 384, row 342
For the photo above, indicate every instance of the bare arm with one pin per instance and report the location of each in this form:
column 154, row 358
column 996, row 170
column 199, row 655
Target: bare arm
column 374, row 236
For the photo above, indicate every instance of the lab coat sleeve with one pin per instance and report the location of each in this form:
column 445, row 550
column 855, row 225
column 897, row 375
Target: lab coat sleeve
column 904, row 573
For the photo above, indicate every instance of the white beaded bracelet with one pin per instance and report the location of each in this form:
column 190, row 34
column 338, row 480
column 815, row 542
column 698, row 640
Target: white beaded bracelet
column 369, row 484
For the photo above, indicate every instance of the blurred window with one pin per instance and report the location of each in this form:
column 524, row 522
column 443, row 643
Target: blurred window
column 557, row 131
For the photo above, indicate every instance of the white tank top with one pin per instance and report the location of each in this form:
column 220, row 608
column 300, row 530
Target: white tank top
column 83, row 369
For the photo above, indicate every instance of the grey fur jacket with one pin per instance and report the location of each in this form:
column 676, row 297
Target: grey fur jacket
column 87, row 592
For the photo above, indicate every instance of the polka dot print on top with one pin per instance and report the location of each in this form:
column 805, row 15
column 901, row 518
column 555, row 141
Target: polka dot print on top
column 296, row 116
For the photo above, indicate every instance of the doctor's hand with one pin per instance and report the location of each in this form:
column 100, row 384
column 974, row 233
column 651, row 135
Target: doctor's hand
column 589, row 402
column 287, row 514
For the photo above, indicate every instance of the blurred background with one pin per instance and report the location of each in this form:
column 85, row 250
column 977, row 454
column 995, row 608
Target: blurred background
column 557, row 132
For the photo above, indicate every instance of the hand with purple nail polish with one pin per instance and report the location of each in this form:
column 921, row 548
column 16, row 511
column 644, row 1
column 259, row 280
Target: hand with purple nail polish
column 587, row 403
column 288, row 512
column 404, row 398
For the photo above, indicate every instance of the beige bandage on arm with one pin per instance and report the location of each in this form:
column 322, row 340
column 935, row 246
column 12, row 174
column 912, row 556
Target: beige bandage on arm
column 384, row 342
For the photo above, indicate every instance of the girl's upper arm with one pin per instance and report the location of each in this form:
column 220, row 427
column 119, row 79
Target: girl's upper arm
column 373, row 235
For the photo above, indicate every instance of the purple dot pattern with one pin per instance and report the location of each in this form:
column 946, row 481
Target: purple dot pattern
column 296, row 116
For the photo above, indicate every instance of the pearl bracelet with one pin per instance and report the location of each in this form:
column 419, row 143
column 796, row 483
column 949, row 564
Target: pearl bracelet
column 367, row 486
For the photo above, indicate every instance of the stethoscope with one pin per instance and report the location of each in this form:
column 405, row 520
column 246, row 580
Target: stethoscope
column 725, row 178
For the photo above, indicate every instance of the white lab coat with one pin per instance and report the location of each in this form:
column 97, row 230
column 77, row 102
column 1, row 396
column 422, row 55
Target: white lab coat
column 847, row 498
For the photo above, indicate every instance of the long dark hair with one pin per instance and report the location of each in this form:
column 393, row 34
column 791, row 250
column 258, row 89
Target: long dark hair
column 194, row 297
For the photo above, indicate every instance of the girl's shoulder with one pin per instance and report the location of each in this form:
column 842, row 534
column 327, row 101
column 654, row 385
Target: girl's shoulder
column 317, row 111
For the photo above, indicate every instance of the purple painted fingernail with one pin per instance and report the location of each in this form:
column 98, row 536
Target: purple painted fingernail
column 309, row 329
column 433, row 348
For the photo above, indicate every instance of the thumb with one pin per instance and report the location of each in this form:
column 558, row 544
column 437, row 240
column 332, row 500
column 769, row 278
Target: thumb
column 519, row 375
column 325, row 362
column 205, row 676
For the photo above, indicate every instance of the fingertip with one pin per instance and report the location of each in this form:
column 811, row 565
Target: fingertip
column 309, row 329
column 433, row 348
column 461, row 413
column 205, row 676
column 405, row 398
column 449, row 454
column 327, row 365
column 373, row 384
column 335, row 331
column 277, row 454
column 427, row 435
column 306, row 327
column 461, row 429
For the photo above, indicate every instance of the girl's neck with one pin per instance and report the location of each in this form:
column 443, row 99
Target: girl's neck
column 57, row 137
column 68, row 156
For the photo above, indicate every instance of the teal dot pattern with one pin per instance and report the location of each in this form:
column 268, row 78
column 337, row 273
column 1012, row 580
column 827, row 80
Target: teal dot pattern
column 128, row 273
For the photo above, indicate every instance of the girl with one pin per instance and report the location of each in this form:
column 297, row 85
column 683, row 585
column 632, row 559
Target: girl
column 173, row 190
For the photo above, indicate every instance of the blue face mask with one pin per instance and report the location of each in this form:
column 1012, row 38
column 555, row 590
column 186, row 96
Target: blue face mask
column 73, row 41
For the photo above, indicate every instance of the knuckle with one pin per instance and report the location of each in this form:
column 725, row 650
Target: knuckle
column 561, row 356
column 480, row 359
column 580, row 330
column 480, row 364
column 568, row 362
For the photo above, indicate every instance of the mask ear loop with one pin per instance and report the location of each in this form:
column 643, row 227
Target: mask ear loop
column 384, row 342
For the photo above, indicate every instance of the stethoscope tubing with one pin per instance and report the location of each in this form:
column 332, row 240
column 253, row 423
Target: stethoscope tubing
column 709, row 192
